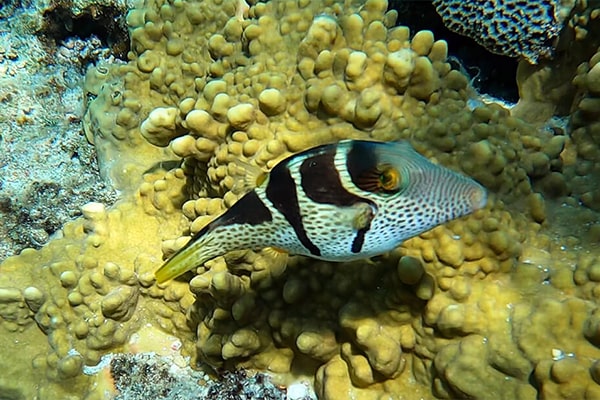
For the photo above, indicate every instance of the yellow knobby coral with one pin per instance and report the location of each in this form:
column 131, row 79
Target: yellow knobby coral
column 213, row 88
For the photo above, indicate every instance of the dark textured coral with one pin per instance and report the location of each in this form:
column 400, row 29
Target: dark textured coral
column 104, row 21
column 149, row 376
column 515, row 28
column 237, row 385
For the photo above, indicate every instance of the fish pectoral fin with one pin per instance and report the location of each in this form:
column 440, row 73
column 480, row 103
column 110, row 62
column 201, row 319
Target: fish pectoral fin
column 363, row 215
column 253, row 176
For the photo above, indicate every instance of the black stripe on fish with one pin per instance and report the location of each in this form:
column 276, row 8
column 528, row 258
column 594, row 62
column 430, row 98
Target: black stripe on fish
column 362, row 223
column 248, row 210
column 359, row 239
column 362, row 162
column 321, row 181
column 281, row 191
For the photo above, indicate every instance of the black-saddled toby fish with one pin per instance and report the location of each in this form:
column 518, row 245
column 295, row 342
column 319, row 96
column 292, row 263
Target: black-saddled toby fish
column 336, row 202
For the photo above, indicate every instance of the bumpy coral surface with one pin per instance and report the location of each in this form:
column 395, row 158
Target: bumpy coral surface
column 553, row 87
column 500, row 304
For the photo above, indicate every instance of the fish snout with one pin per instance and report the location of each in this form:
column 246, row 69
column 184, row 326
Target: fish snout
column 477, row 196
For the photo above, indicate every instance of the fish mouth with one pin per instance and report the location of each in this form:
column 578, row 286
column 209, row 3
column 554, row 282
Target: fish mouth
column 477, row 197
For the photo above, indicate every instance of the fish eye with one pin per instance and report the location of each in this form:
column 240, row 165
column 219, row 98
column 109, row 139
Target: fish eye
column 382, row 178
column 390, row 179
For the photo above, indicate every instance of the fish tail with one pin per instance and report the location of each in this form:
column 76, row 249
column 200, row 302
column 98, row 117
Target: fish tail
column 215, row 238
column 193, row 254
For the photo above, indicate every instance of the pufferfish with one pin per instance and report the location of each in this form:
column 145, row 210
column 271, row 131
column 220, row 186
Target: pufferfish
column 343, row 201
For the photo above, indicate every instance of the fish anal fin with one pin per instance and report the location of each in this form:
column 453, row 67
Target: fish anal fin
column 278, row 258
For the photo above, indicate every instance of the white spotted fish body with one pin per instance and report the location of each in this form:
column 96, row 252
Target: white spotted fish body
column 336, row 202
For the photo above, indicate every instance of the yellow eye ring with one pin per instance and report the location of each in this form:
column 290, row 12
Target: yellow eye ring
column 390, row 179
column 383, row 178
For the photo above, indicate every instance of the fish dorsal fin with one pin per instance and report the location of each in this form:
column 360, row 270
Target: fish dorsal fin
column 253, row 176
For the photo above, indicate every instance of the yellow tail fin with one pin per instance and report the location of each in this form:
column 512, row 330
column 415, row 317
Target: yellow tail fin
column 186, row 259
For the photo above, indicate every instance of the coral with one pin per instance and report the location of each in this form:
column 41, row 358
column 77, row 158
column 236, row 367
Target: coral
column 64, row 19
column 549, row 88
column 585, row 121
column 500, row 303
column 508, row 27
column 48, row 169
column 84, row 302
column 146, row 375
column 135, row 376
column 566, row 86
column 238, row 385
column 57, row 20
column 586, row 118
